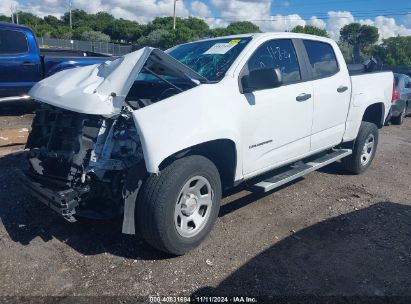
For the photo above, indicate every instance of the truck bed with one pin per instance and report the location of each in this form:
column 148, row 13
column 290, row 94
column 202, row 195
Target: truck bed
column 69, row 53
column 373, row 87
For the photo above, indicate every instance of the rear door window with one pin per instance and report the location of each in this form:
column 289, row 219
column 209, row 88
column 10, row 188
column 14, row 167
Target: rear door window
column 322, row 58
column 277, row 54
column 12, row 42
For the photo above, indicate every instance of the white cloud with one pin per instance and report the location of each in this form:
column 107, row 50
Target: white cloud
column 142, row 11
column 280, row 23
column 314, row 21
column 6, row 5
column 257, row 11
column 336, row 21
column 387, row 27
column 200, row 9
column 250, row 9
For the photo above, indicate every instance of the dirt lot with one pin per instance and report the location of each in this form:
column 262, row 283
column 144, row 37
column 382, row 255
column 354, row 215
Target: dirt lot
column 329, row 233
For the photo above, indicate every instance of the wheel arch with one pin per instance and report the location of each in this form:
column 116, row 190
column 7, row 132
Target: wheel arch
column 222, row 152
column 375, row 113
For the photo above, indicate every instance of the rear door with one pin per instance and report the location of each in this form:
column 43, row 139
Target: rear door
column 19, row 70
column 332, row 94
column 277, row 125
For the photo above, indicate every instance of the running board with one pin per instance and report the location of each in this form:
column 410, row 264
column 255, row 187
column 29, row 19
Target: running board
column 300, row 169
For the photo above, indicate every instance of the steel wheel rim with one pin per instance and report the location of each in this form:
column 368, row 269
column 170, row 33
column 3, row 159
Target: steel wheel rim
column 193, row 207
column 368, row 150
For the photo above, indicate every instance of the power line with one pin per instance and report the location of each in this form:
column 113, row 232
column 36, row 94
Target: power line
column 282, row 17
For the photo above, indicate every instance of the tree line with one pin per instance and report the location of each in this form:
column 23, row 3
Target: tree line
column 360, row 41
column 356, row 41
column 104, row 27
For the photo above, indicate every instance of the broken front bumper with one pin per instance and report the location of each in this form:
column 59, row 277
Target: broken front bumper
column 64, row 202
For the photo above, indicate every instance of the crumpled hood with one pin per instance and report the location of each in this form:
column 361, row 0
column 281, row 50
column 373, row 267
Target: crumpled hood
column 101, row 88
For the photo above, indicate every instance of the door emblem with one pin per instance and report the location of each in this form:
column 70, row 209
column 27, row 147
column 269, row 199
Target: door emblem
column 260, row 144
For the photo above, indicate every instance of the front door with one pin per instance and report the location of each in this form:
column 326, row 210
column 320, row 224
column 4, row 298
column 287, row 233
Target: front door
column 277, row 125
column 19, row 70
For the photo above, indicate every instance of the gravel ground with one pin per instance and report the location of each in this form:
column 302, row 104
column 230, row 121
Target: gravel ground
column 329, row 233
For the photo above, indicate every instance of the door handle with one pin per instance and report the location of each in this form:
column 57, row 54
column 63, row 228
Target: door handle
column 342, row 89
column 28, row 63
column 303, row 97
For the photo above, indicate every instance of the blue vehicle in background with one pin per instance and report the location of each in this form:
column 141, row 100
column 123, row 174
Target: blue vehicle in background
column 22, row 63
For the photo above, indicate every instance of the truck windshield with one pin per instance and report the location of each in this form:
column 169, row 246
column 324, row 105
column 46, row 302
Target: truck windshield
column 212, row 58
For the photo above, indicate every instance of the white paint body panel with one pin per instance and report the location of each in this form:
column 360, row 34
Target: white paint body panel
column 88, row 89
column 219, row 111
column 275, row 115
column 330, row 106
column 367, row 89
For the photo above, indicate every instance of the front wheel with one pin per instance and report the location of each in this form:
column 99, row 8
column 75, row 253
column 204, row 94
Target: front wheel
column 178, row 208
column 364, row 149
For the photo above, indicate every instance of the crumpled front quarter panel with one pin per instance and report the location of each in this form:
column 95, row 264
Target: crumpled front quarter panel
column 190, row 118
column 95, row 89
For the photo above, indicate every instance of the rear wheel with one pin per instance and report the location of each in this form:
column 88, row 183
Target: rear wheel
column 399, row 119
column 177, row 208
column 364, row 150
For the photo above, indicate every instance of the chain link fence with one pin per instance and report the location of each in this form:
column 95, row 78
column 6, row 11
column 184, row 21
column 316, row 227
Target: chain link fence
column 91, row 46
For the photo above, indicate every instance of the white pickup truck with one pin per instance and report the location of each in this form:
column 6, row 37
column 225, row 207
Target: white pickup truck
column 155, row 137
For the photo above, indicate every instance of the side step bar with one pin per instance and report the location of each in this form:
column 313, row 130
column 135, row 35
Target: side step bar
column 300, row 169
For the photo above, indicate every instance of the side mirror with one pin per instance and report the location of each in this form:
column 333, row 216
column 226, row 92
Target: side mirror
column 261, row 79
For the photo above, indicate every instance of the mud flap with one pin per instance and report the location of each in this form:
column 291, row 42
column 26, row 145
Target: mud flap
column 131, row 188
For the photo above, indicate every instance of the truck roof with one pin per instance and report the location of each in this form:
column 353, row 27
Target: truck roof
column 272, row 35
column 9, row 25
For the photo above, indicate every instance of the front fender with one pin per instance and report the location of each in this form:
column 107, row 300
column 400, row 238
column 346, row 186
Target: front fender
column 185, row 120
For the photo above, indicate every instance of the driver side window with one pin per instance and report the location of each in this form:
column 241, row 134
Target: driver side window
column 277, row 54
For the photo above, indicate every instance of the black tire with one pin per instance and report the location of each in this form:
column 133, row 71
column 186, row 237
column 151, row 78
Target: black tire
column 354, row 163
column 158, row 199
column 398, row 120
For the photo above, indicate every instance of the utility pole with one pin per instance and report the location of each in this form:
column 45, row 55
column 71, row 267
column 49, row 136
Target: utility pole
column 71, row 21
column 174, row 19
column 12, row 14
column 17, row 16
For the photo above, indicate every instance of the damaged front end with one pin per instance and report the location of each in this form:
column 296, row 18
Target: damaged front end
column 79, row 163
column 85, row 154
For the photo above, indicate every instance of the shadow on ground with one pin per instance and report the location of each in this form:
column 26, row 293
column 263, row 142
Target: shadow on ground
column 24, row 218
column 363, row 253
column 366, row 252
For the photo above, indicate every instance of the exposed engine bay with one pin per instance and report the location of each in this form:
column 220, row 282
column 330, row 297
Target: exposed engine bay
column 151, row 87
column 79, row 163
column 86, row 155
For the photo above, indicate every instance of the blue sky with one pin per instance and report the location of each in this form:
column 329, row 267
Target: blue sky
column 390, row 17
column 307, row 8
column 364, row 9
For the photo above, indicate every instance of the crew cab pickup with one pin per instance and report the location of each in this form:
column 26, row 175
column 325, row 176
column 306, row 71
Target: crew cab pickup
column 22, row 64
column 156, row 137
